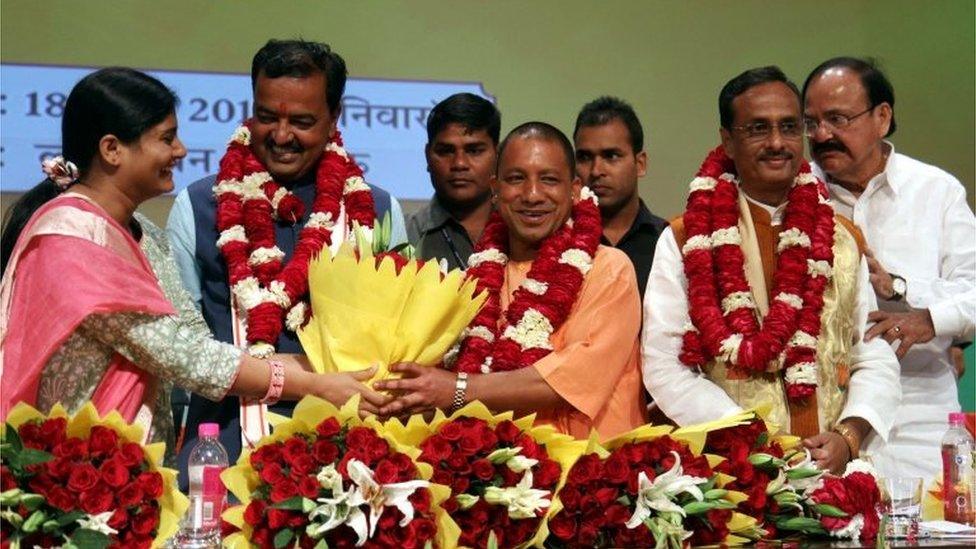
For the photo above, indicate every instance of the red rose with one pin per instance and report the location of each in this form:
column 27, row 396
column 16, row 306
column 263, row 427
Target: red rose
column 563, row 526
column 570, row 497
column 53, row 431
column 385, row 472
column 41, row 483
column 587, row 468
column 325, row 452
column 131, row 454
column 114, row 473
column 269, row 453
column 442, row 476
column 254, row 513
column 97, row 500
column 458, row 462
column 303, row 465
column 151, row 484
column 30, row 435
column 425, row 529
column 82, row 478
column 272, row 474
column 130, row 495
column 451, row 431
column 421, row 500
column 308, row 487
column 144, row 523
column 604, row 496
column 102, row 440
column 262, row 537
column 328, row 428
column 469, row 442
column 132, row 540
column 547, row 473
column 507, row 432
column 62, row 499
column 294, row 448
column 72, row 448
column 460, row 484
column 435, row 449
column 378, row 448
column 59, row 468
column 530, row 448
column 616, row 469
column 283, row 490
column 359, row 438
column 488, row 437
column 277, row 518
column 7, row 480
column 483, row 469
column 119, row 519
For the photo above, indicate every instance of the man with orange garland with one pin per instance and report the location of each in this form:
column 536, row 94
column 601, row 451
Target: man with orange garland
column 759, row 294
column 558, row 335
column 286, row 190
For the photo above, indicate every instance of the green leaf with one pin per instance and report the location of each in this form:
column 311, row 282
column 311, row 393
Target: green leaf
column 50, row 526
column 34, row 521
column 829, row 510
column 624, row 500
column 31, row 501
column 283, row 537
column 797, row 474
column 69, row 518
column 802, row 524
column 90, row 539
column 13, row 438
column 762, row 440
column 33, row 456
column 715, row 493
column 296, row 503
column 492, row 540
column 322, row 544
column 698, row 507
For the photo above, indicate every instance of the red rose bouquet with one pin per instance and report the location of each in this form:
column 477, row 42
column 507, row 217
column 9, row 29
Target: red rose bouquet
column 647, row 488
column 85, row 481
column 503, row 473
column 786, row 492
column 325, row 478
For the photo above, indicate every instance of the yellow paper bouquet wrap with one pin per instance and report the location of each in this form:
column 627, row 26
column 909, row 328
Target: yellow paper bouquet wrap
column 85, row 479
column 503, row 471
column 650, row 487
column 329, row 477
column 364, row 315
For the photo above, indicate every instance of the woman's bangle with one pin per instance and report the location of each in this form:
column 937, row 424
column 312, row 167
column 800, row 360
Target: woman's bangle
column 850, row 437
column 276, row 384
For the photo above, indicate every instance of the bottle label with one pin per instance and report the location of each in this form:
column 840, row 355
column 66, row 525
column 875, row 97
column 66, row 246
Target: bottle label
column 214, row 495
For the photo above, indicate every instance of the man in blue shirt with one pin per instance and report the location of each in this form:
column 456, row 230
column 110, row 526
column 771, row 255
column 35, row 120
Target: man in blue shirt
column 298, row 88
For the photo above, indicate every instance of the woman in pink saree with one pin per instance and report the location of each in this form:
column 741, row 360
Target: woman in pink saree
column 91, row 306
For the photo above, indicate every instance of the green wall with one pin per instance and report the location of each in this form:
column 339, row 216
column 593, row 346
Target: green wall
column 544, row 59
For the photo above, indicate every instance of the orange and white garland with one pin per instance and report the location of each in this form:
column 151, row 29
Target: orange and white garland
column 720, row 301
column 269, row 293
column 541, row 303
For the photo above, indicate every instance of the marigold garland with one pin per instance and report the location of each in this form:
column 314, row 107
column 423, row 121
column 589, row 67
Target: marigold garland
column 270, row 293
column 543, row 301
column 720, row 302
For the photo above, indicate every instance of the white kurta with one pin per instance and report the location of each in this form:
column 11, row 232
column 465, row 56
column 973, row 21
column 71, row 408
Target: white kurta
column 916, row 220
column 688, row 397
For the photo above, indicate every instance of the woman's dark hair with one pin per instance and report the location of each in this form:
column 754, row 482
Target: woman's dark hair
column 112, row 101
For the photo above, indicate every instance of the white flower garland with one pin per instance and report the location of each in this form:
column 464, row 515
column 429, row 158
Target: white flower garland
column 531, row 332
column 578, row 258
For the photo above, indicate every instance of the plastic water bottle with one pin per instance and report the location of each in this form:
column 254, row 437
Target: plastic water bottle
column 201, row 526
column 958, row 476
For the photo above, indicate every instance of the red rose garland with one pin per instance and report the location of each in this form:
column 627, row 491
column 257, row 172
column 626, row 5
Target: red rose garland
column 543, row 301
column 720, row 301
column 248, row 200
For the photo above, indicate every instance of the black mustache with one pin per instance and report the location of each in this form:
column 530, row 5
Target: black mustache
column 289, row 148
column 832, row 145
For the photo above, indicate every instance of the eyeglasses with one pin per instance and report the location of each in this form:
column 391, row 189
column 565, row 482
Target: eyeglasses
column 832, row 122
column 788, row 129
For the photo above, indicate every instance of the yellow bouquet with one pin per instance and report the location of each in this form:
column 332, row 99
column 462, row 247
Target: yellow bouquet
column 84, row 480
column 368, row 310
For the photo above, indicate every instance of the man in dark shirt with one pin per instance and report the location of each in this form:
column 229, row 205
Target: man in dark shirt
column 462, row 138
column 610, row 158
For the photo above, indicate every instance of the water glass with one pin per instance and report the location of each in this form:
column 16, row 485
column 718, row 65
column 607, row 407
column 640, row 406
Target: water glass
column 901, row 500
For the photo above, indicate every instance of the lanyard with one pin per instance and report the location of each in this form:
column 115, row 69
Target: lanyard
column 450, row 244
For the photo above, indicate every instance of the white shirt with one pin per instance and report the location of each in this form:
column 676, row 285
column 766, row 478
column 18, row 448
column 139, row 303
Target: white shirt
column 916, row 221
column 688, row 397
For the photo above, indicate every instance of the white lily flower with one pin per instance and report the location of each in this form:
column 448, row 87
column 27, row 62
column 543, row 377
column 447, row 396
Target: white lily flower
column 520, row 463
column 522, row 500
column 379, row 496
column 330, row 479
column 98, row 523
column 341, row 508
column 658, row 495
column 513, row 459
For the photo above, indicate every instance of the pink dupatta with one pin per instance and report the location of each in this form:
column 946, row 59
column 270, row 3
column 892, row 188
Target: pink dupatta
column 72, row 260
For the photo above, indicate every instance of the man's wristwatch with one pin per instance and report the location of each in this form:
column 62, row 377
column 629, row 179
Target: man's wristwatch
column 898, row 286
column 460, row 392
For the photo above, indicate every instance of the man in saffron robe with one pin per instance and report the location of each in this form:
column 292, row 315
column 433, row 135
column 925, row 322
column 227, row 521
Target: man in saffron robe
column 824, row 382
column 558, row 335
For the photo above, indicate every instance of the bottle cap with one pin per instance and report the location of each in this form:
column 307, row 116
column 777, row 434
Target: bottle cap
column 957, row 418
column 208, row 430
